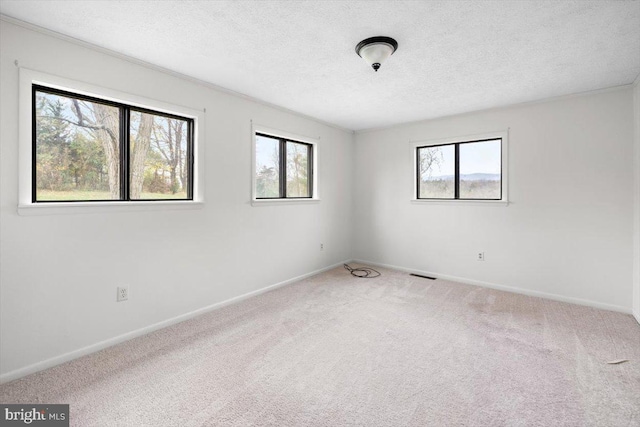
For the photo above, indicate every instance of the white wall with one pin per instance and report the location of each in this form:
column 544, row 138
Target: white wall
column 636, row 218
column 567, row 232
column 59, row 272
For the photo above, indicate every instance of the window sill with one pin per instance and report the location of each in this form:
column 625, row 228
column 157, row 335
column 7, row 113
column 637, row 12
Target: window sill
column 62, row 208
column 267, row 202
column 461, row 202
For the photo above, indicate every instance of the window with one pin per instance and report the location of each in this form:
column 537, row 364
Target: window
column 465, row 170
column 283, row 168
column 88, row 149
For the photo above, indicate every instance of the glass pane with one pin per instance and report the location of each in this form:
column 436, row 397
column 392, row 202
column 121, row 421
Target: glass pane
column 77, row 149
column 267, row 167
column 158, row 166
column 297, row 170
column 480, row 170
column 436, row 168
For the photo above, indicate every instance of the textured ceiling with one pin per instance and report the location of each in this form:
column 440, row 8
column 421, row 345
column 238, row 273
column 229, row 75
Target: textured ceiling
column 453, row 56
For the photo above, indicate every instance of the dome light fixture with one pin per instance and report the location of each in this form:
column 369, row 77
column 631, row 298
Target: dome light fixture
column 375, row 50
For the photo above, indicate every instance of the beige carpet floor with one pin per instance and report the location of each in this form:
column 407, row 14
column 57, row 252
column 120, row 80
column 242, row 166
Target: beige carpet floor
column 334, row 350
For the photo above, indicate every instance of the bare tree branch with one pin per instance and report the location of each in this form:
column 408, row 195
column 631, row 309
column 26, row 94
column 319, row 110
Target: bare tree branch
column 77, row 111
column 93, row 127
column 157, row 142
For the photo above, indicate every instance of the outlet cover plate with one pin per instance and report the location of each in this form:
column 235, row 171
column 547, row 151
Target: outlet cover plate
column 123, row 293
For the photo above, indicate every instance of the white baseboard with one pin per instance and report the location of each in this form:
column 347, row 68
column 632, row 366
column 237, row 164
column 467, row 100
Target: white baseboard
column 637, row 316
column 57, row 360
column 513, row 289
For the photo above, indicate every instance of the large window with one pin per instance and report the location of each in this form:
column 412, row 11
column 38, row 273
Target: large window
column 283, row 168
column 469, row 170
column 91, row 149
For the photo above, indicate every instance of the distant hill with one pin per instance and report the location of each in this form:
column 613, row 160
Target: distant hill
column 469, row 177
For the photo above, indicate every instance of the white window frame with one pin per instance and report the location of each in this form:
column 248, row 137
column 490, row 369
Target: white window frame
column 502, row 135
column 257, row 128
column 26, row 206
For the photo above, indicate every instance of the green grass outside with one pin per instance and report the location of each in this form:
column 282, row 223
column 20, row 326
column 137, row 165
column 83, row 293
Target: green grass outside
column 81, row 195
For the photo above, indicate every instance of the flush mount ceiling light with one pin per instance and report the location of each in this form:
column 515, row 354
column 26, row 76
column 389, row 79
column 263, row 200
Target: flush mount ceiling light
column 375, row 50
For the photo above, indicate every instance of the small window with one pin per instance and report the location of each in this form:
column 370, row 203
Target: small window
column 469, row 170
column 283, row 168
column 87, row 149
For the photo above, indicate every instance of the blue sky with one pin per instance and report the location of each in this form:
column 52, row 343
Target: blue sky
column 479, row 157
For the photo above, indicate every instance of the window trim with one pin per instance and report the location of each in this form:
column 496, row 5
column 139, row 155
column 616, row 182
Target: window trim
column 284, row 136
column 504, row 152
column 27, row 206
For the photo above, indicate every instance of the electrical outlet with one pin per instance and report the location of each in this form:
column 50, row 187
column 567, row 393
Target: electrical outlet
column 480, row 256
column 123, row 293
column 322, row 246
